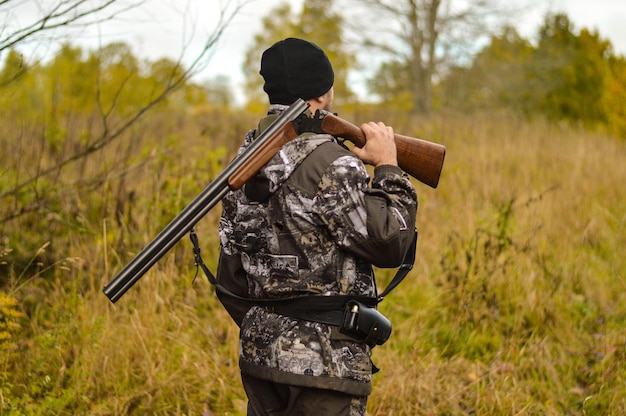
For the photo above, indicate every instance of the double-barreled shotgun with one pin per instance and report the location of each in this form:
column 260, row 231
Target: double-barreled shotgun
column 419, row 158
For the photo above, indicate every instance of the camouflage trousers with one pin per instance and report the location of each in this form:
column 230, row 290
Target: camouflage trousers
column 266, row 398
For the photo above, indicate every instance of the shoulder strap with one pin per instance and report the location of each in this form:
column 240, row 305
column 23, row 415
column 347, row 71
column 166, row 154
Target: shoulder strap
column 405, row 268
column 329, row 302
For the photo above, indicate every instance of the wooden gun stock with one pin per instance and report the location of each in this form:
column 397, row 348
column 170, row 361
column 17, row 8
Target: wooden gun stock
column 419, row 158
column 257, row 160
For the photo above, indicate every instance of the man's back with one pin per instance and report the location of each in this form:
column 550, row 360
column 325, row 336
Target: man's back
column 297, row 230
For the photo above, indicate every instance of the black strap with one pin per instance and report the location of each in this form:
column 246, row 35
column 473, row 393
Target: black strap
column 322, row 305
column 405, row 268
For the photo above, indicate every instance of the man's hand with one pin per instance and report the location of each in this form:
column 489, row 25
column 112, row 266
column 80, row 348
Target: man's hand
column 380, row 146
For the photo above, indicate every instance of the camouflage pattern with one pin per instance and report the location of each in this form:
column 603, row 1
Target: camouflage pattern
column 358, row 406
column 301, row 239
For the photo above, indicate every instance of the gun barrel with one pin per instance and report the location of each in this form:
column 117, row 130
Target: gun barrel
column 192, row 213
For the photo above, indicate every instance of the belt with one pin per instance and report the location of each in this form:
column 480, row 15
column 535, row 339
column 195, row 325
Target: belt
column 329, row 317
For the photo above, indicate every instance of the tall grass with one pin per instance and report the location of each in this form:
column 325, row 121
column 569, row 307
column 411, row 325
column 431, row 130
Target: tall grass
column 516, row 304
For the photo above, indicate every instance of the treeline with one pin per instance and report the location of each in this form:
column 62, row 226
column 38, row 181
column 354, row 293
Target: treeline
column 78, row 132
column 87, row 116
column 567, row 75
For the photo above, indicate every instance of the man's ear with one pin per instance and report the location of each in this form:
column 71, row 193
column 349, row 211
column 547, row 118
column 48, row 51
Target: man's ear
column 320, row 100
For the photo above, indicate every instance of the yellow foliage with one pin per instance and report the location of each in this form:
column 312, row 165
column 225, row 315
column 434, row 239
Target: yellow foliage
column 9, row 315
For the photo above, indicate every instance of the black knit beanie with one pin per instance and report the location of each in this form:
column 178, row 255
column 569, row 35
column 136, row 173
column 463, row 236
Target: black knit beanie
column 295, row 68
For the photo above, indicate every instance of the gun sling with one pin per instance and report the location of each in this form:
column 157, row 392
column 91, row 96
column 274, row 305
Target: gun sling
column 329, row 310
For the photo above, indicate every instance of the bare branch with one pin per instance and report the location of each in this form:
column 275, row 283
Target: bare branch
column 178, row 77
column 421, row 38
column 64, row 13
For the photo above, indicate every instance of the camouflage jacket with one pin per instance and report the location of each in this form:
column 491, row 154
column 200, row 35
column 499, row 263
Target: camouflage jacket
column 310, row 223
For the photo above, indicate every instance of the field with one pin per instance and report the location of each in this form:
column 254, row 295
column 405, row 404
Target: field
column 516, row 304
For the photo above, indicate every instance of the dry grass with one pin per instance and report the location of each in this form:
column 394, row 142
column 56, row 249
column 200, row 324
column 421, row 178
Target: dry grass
column 516, row 305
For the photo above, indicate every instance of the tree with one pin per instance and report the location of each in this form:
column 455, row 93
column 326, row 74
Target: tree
column 14, row 68
column 567, row 75
column 568, row 72
column 420, row 40
column 52, row 15
column 496, row 77
column 318, row 23
column 614, row 99
column 97, row 99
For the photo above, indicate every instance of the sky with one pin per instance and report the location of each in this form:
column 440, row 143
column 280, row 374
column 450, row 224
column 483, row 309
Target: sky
column 605, row 16
column 177, row 28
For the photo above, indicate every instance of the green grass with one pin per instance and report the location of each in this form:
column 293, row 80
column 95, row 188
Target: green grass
column 516, row 304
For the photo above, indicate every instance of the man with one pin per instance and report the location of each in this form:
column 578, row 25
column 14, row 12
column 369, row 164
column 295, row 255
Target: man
column 310, row 224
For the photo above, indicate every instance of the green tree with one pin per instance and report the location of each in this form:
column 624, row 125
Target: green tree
column 14, row 67
column 60, row 116
column 495, row 78
column 614, row 99
column 568, row 72
column 318, row 22
column 77, row 105
column 566, row 76
column 70, row 85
